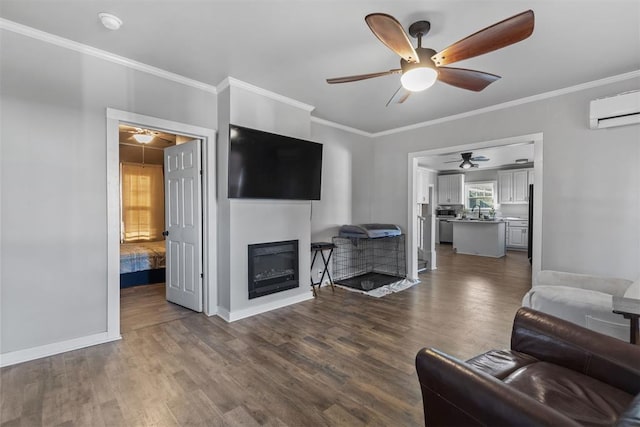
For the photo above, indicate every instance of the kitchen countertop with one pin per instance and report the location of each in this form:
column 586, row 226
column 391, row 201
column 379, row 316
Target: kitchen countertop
column 479, row 221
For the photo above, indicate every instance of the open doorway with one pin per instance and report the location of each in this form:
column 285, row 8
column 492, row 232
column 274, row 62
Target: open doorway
column 188, row 154
column 454, row 195
column 146, row 297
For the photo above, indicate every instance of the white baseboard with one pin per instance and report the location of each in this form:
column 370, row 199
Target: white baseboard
column 20, row 356
column 263, row 308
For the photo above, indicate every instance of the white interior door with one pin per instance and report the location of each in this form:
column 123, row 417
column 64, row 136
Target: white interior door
column 183, row 216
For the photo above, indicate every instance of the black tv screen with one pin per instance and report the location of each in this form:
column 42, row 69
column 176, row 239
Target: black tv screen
column 264, row 165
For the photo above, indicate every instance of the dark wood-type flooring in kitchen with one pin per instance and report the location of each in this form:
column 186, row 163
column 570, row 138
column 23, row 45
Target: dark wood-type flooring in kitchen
column 340, row 359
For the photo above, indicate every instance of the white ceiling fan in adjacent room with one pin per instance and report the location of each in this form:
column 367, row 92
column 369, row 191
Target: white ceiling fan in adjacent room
column 146, row 136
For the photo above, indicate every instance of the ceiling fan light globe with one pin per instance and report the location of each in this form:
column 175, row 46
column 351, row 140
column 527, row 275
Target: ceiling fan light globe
column 466, row 164
column 418, row 79
column 143, row 138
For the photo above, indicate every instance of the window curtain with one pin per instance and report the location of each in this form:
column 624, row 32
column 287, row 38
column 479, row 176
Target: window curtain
column 141, row 202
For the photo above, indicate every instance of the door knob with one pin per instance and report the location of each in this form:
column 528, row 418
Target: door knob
column 165, row 233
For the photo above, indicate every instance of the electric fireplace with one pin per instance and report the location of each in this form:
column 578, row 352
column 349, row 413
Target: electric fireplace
column 273, row 267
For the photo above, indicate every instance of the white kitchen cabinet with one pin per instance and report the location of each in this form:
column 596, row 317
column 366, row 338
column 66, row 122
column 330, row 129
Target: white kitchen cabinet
column 521, row 186
column 451, row 189
column 513, row 186
column 505, row 187
column 422, row 186
column 517, row 234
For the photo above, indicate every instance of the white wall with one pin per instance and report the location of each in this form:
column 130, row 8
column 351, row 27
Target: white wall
column 53, row 182
column 591, row 192
column 481, row 175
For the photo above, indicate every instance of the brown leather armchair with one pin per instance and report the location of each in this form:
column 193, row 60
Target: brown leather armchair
column 556, row 374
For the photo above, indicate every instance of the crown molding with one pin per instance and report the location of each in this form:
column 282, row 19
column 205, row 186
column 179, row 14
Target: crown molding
column 102, row 54
column 516, row 102
column 340, row 126
column 233, row 82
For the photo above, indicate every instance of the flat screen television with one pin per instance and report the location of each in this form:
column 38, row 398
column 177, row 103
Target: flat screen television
column 264, row 165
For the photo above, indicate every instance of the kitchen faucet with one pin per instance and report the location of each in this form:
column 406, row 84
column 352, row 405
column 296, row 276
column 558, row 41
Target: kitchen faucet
column 476, row 206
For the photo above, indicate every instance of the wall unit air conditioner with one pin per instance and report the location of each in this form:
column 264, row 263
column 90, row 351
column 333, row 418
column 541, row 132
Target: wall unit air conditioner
column 619, row 110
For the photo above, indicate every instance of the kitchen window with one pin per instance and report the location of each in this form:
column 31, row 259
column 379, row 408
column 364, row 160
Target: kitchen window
column 480, row 194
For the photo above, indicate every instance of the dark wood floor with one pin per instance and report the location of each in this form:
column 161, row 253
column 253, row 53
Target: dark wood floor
column 341, row 359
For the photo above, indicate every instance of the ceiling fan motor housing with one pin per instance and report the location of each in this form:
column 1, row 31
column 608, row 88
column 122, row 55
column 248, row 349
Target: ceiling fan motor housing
column 424, row 55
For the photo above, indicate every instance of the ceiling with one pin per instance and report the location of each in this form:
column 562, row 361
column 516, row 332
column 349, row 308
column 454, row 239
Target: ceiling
column 499, row 157
column 291, row 47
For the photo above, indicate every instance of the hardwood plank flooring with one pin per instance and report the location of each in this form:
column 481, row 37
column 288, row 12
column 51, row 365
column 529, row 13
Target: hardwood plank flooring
column 143, row 306
column 341, row 359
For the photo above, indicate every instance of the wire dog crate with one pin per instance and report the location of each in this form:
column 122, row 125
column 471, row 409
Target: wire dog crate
column 367, row 264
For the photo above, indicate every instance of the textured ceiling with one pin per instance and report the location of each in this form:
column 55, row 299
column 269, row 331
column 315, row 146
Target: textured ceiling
column 291, row 47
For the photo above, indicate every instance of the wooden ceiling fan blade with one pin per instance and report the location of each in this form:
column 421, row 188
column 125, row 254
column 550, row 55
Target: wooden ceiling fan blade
column 390, row 32
column 358, row 77
column 399, row 96
column 496, row 36
column 466, row 79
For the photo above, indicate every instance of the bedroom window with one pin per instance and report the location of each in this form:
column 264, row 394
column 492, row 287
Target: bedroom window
column 141, row 202
column 481, row 194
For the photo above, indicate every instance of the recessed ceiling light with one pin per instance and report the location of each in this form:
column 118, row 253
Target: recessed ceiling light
column 521, row 161
column 111, row 22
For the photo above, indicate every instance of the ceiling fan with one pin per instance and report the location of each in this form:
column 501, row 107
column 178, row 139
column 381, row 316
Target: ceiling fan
column 467, row 160
column 421, row 67
column 145, row 136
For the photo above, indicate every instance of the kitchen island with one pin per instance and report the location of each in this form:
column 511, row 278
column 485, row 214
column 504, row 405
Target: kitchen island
column 479, row 237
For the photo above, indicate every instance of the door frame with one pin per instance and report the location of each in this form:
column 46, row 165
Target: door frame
column 431, row 188
column 209, row 208
column 536, row 138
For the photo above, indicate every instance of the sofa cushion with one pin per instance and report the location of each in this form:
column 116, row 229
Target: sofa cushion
column 500, row 363
column 582, row 398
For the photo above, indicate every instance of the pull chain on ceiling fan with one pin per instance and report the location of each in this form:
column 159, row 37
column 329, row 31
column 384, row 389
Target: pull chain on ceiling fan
column 421, row 67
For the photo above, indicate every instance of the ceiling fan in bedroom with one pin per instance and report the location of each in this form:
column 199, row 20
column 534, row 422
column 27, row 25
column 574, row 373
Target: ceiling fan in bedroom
column 145, row 136
column 467, row 160
column 420, row 67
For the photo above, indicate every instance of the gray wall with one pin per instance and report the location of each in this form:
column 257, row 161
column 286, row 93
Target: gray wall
column 346, row 181
column 53, row 182
column 346, row 185
column 591, row 191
